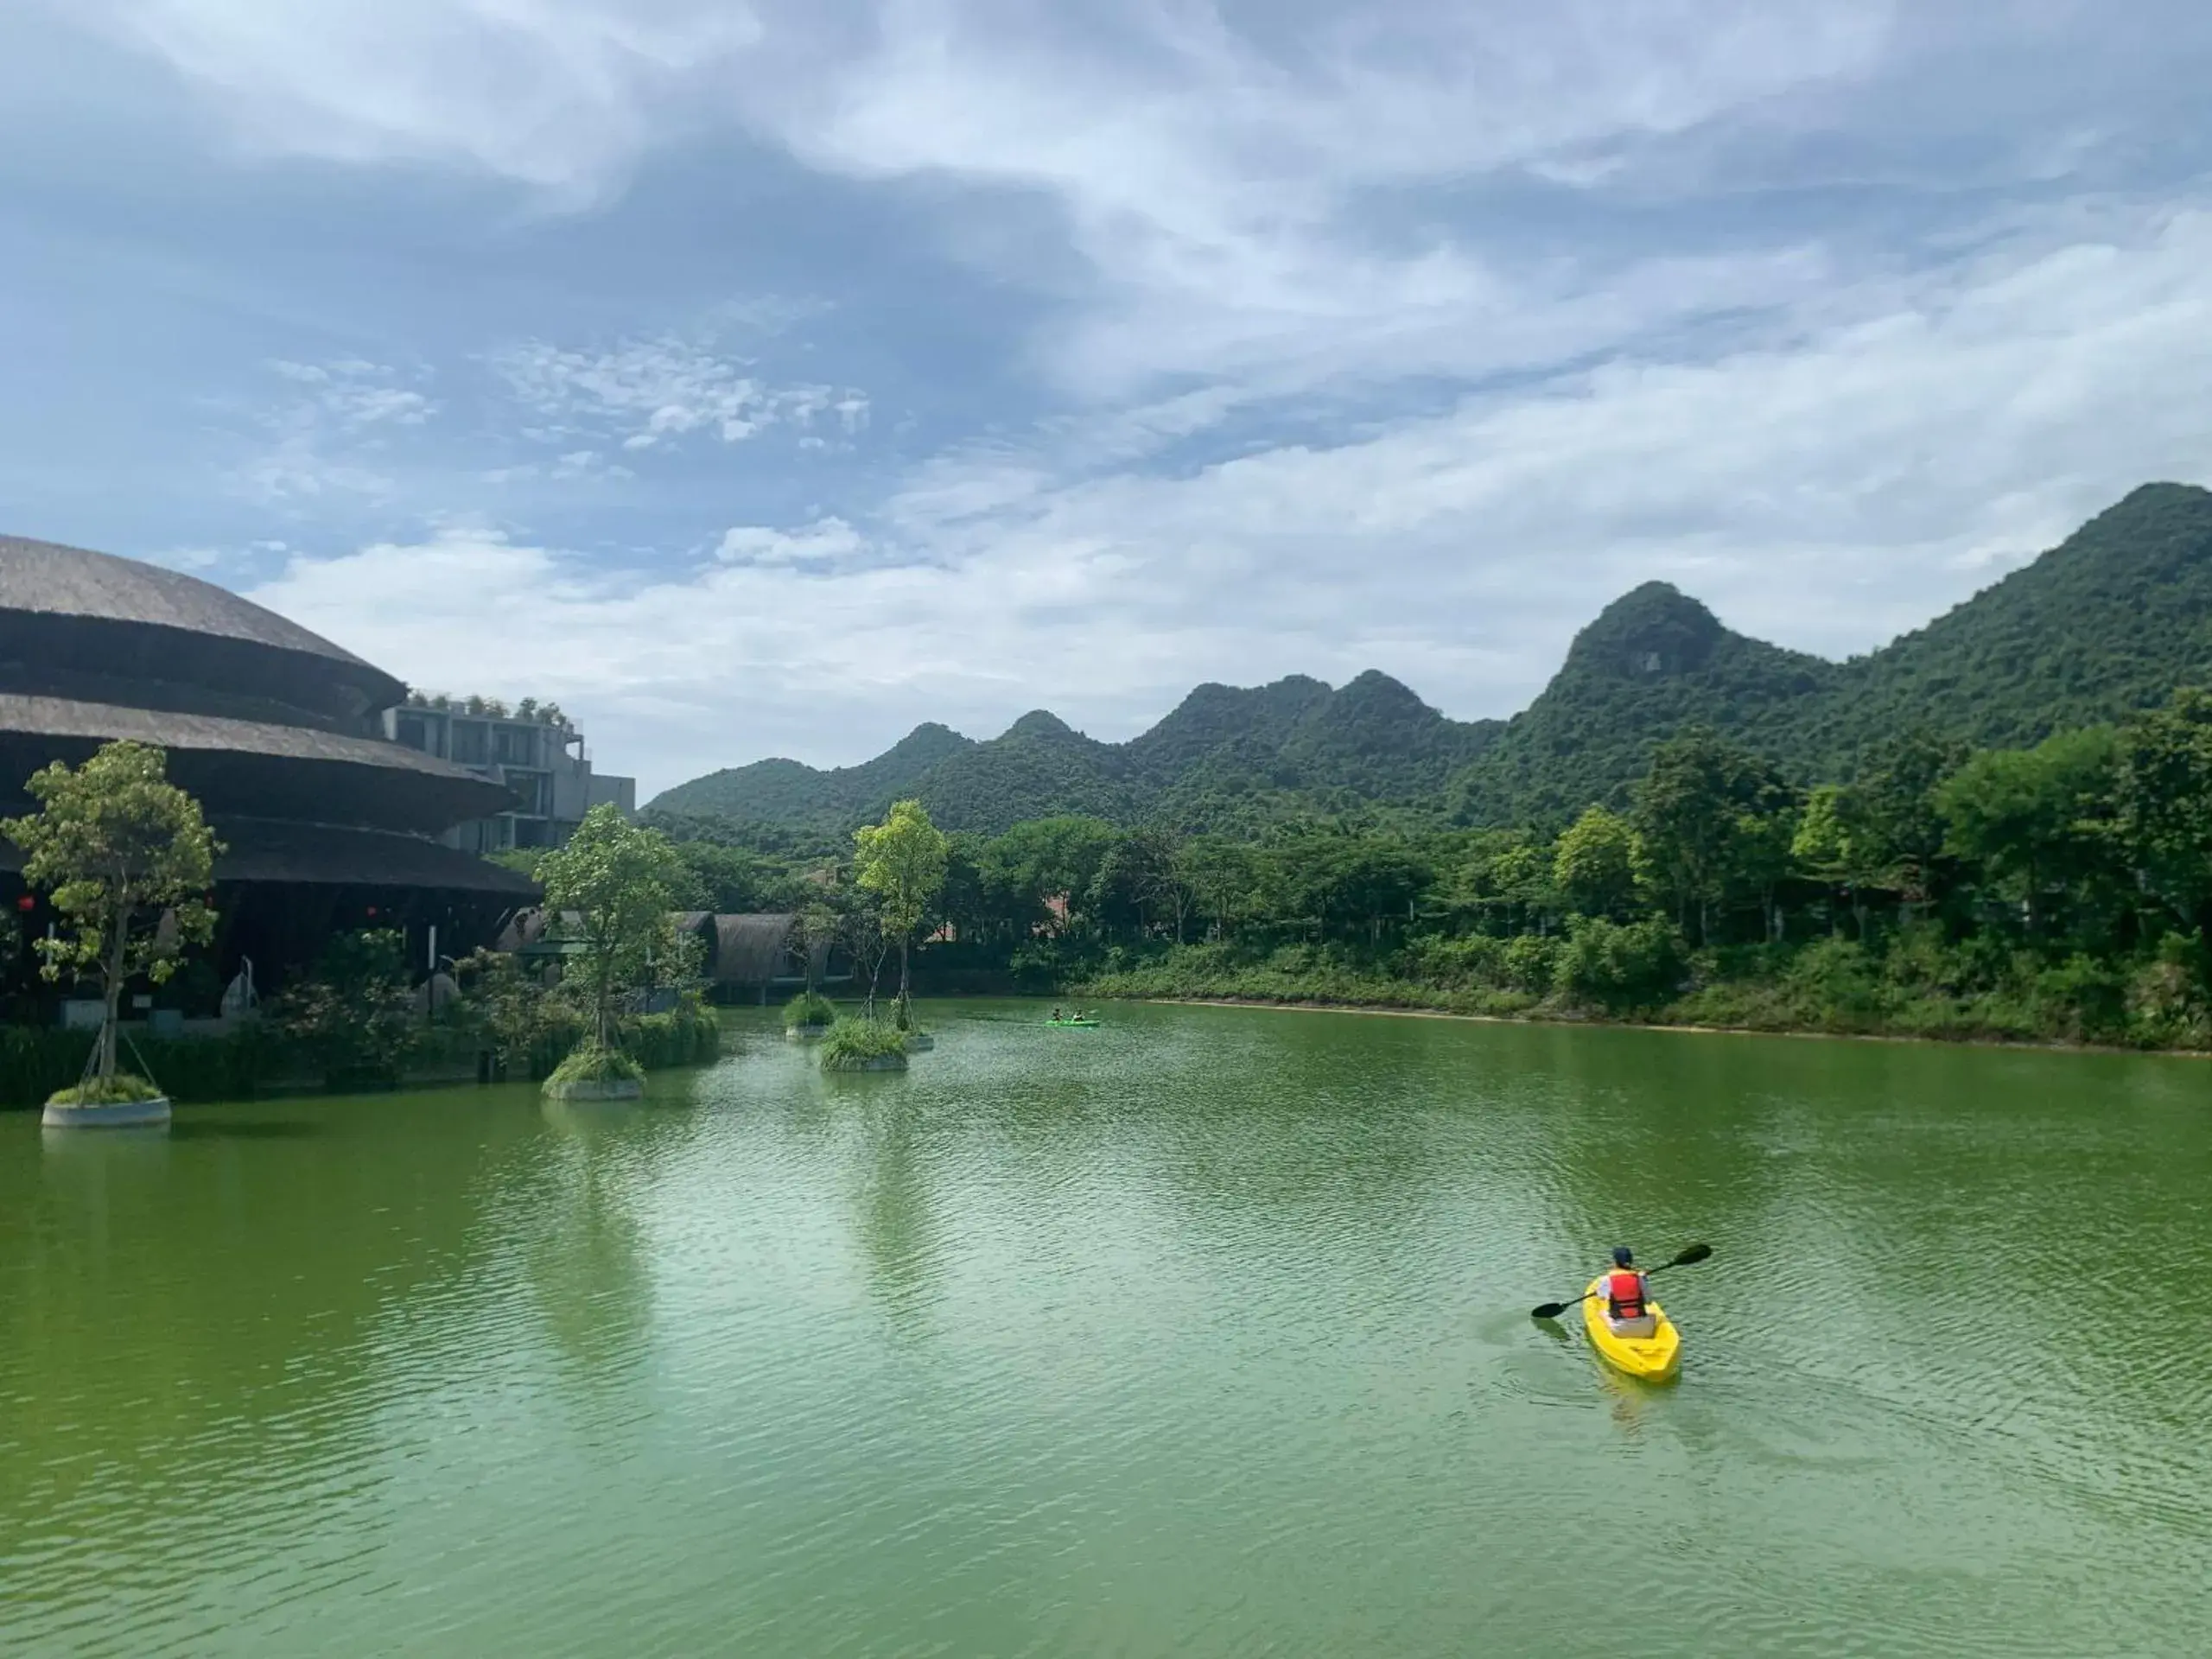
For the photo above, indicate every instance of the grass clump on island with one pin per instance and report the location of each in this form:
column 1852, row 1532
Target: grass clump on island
column 809, row 1010
column 593, row 1063
column 121, row 1089
column 863, row 1046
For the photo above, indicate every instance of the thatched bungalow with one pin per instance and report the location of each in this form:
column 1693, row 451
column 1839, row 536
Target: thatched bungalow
column 274, row 729
column 745, row 958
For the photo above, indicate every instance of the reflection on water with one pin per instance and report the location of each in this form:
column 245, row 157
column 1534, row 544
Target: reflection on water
column 1206, row 1334
column 893, row 1208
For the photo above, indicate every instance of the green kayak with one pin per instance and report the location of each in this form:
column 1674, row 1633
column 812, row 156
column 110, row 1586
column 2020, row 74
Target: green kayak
column 1080, row 1022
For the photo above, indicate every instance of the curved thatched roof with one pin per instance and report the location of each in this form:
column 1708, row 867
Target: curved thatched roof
column 749, row 950
column 255, row 766
column 319, row 855
column 46, row 579
column 58, row 581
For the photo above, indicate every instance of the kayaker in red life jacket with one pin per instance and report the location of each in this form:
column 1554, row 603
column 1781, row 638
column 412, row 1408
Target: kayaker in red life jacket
column 1628, row 1301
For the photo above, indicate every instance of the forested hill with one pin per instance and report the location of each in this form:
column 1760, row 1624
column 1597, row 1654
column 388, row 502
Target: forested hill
column 1654, row 663
column 2110, row 622
column 1226, row 754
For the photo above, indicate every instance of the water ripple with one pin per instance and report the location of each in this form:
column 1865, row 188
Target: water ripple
column 1206, row 1333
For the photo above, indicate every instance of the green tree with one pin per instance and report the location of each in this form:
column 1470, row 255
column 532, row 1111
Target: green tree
column 2162, row 799
column 128, row 860
column 619, row 882
column 1705, row 821
column 355, row 1013
column 1828, row 846
column 1049, row 865
column 868, row 942
column 1220, row 876
column 902, row 862
column 1901, row 829
column 508, row 1004
column 1593, row 865
column 729, row 880
column 1377, row 879
column 2026, row 818
column 819, row 927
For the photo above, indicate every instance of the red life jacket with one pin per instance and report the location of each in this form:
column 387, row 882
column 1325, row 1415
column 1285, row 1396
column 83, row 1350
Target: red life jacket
column 1625, row 1294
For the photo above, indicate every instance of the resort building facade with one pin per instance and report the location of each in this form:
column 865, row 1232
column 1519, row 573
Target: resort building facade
column 326, row 825
column 533, row 751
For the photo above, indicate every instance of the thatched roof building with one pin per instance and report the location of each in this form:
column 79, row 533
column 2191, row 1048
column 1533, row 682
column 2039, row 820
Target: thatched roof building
column 276, row 731
column 751, row 950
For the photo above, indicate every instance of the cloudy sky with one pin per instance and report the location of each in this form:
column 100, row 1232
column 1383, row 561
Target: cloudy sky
column 763, row 377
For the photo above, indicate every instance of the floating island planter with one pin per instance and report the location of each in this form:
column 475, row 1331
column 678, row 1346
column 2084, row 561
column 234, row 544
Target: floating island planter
column 808, row 1018
column 862, row 1045
column 596, row 1073
column 122, row 1102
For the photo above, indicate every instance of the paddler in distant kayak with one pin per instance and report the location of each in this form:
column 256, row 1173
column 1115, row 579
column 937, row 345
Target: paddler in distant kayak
column 1628, row 1301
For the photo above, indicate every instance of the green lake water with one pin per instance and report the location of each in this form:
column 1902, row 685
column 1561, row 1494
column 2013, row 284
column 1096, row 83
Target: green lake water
column 1203, row 1333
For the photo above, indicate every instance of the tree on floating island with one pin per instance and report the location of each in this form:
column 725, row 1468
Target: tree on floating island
column 902, row 862
column 127, row 859
column 611, row 889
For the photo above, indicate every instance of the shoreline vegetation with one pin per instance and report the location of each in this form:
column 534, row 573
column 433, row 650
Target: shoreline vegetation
column 1997, row 828
column 2055, row 894
column 1568, row 1020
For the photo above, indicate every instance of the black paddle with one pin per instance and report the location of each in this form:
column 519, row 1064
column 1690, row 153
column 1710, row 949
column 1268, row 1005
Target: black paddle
column 1690, row 1257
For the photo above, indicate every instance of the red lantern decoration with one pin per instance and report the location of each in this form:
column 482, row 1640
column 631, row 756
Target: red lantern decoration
column 26, row 904
column 372, row 912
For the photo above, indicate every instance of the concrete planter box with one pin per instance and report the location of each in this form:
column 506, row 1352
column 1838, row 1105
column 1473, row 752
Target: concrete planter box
column 121, row 1115
column 919, row 1042
column 881, row 1063
column 595, row 1089
column 805, row 1033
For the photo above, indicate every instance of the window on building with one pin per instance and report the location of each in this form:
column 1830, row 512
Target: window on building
column 529, row 833
column 469, row 744
column 415, row 732
column 515, row 745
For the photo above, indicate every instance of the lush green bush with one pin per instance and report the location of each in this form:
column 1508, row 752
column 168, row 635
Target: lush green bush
column 36, row 1060
column 355, row 1016
column 861, row 1045
column 688, row 1034
column 1616, row 965
column 592, row 1064
column 810, row 1009
column 1455, row 963
column 2084, row 1000
column 121, row 1089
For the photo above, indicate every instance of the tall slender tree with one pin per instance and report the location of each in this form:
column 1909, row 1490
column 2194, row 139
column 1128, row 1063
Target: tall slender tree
column 128, row 860
column 902, row 860
column 619, row 882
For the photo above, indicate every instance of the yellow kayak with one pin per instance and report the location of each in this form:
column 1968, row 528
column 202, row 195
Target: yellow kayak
column 1653, row 1358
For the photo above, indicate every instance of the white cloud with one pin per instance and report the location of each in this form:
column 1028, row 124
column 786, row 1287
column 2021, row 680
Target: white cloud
column 1479, row 312
column 646, row 393
column 323, row 439
column 1825, row 494
column 828, row 543
column 559, row 94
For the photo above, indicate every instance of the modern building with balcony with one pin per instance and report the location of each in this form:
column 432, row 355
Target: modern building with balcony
column 531, row 750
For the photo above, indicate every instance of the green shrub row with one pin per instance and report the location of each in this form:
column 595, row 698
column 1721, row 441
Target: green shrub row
column 37, row 1060
column 1917, row 983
